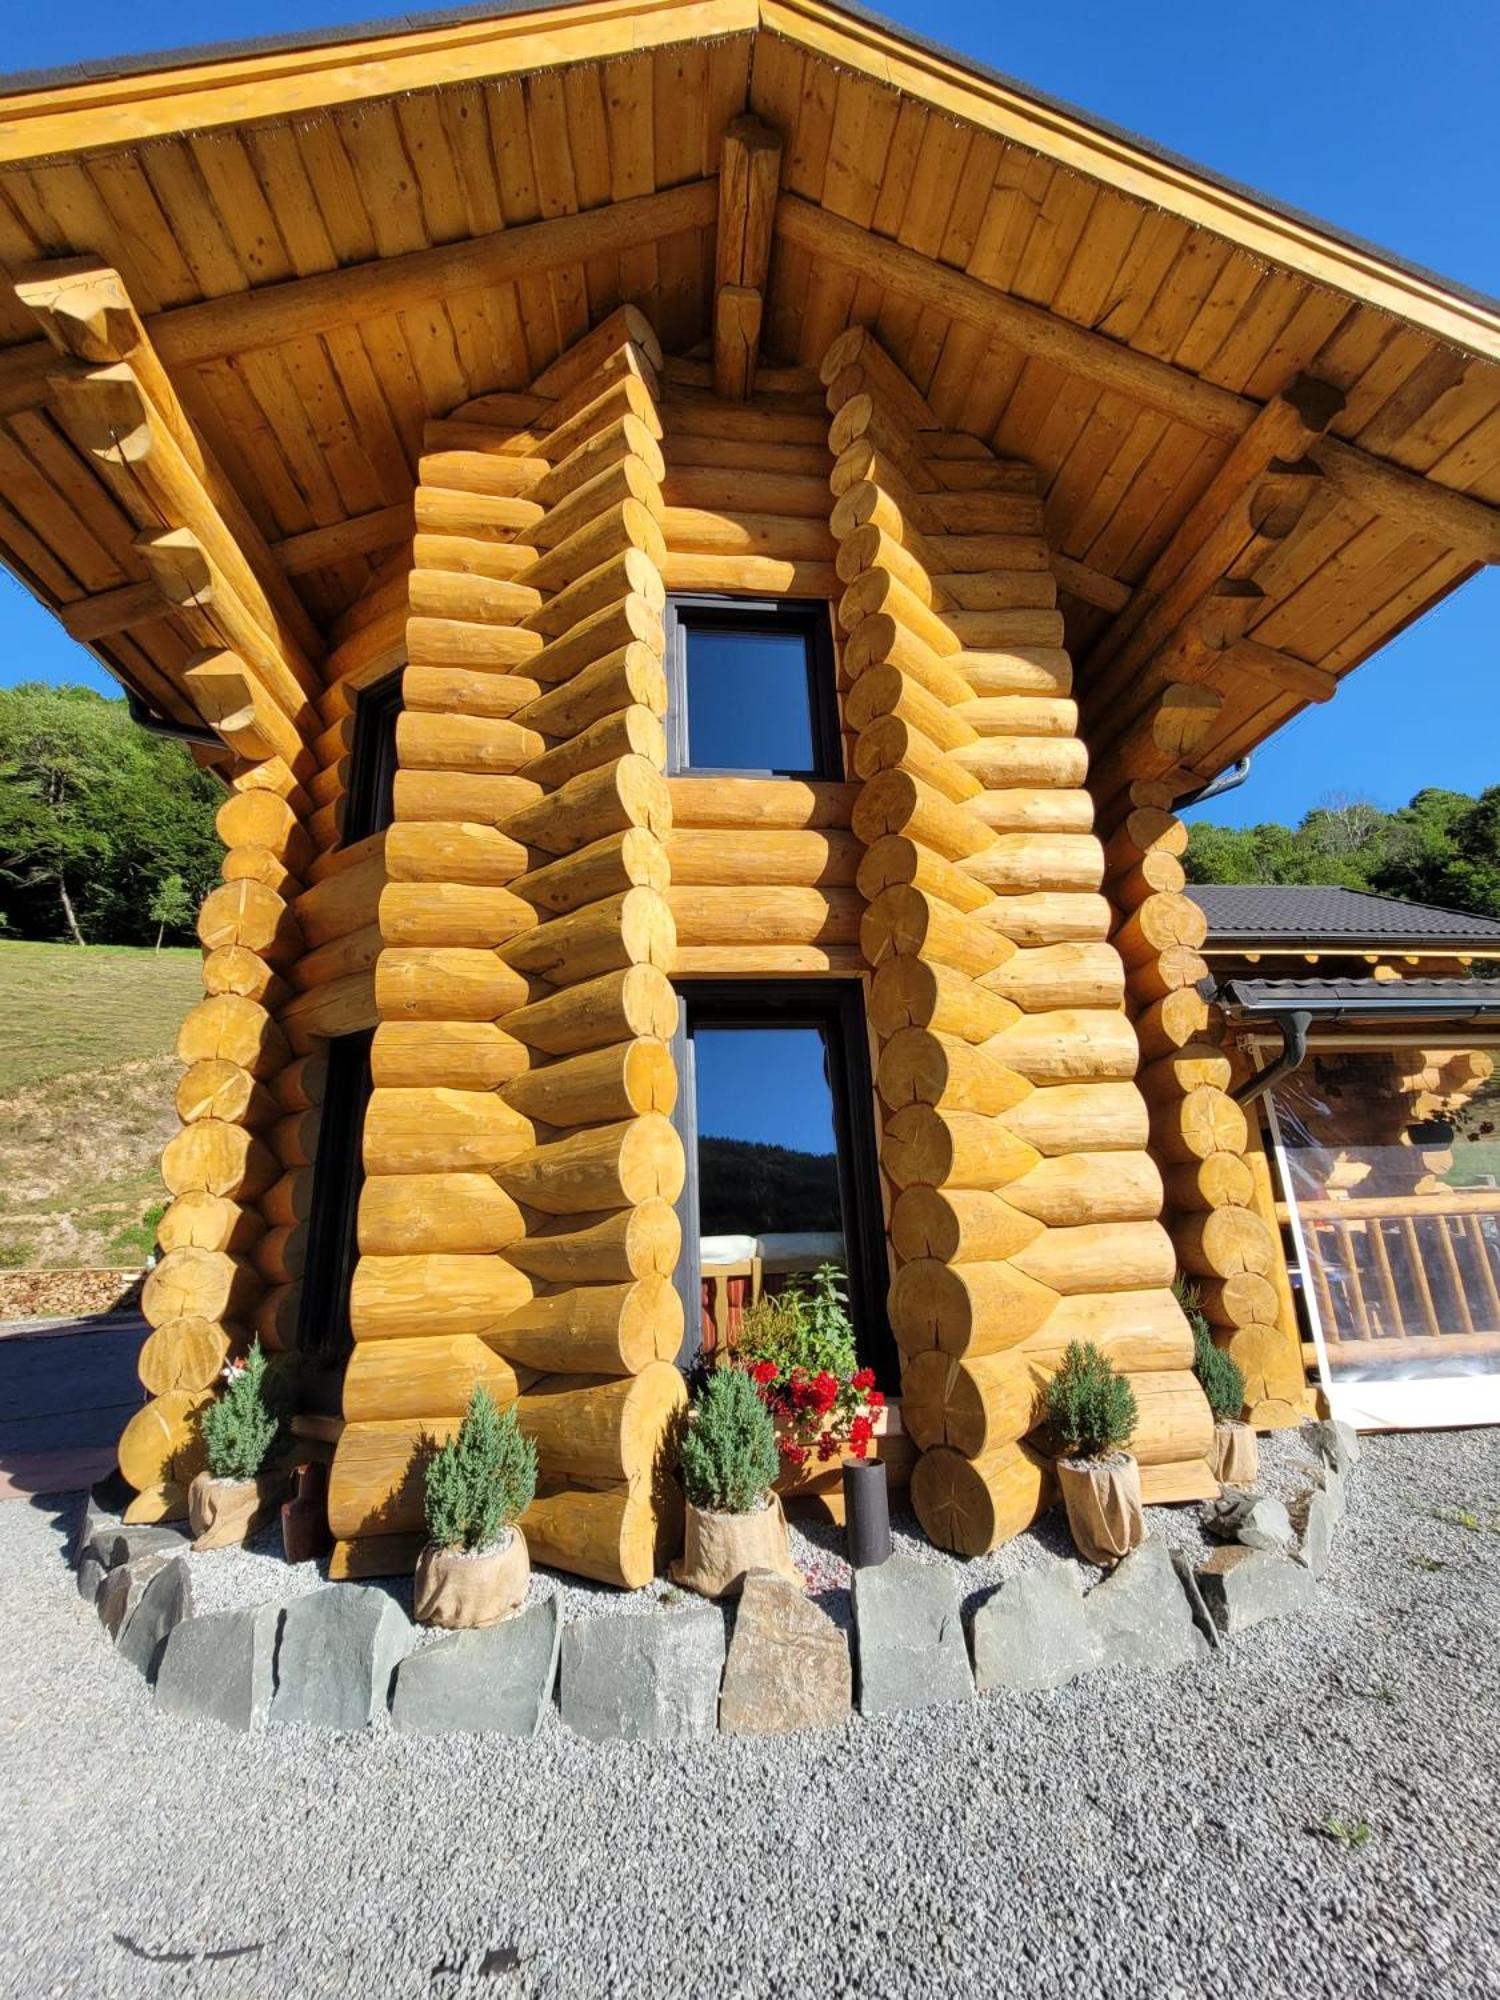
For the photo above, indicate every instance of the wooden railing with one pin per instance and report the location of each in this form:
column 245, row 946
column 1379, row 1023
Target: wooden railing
column 1411, row 1274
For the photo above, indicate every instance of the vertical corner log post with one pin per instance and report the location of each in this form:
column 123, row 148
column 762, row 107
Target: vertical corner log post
column 517, row 1226
column 1026, row 1206
column 1216, row 1211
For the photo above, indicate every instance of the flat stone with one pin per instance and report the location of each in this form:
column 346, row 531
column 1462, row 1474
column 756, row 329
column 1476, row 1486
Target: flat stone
column 113, row 1545
column 338, row 1649
column 91, row 1574
column 1334, row 1488
column 494, row 1681
column 221, row 1668
column 1033, row 1632
column 651, row 1678
column 788, row 1665
column 1244, row 1587
column 121, row 1590
column 1254, row 1519
column 166, row 1600
column 1336, row 1443
column 909, row 1637
column 1324, row 1514
column 1140, row 1615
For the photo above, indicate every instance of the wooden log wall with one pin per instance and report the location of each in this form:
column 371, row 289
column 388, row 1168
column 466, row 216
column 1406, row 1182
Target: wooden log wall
column 290, row 940
column 1016, row 1137
column 517, row 1226
column 1210, row 1158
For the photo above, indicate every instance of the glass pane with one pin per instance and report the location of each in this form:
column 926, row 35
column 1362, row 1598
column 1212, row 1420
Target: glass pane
column 747, row 700
column 767, row 1150
column 1392, row 1158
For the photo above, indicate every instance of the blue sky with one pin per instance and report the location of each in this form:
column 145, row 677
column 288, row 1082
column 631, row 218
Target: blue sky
column 1367, row 116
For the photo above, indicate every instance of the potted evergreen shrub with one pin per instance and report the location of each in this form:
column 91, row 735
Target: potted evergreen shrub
column 1092, row 1411
column 234, row 1494
column 729, row 1460
column 474, row 1569
column 1235, row 1458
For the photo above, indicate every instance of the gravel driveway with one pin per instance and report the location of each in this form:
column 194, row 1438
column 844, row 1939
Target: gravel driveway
column 1138, row 1836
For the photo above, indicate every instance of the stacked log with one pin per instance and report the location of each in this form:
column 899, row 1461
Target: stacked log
column 1223, row 1231
column 517, row 1226
column 1014, row 1135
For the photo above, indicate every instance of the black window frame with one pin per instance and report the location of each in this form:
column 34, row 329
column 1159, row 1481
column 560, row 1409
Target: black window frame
column 813, row 617
column 323, row 1329
column 370, row 797
column 836, row 1006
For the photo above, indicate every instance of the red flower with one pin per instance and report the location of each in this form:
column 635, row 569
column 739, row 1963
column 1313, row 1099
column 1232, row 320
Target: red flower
column 863, row 1378
column 825, row 1389
column 860, row 1447
column 875, row 1400
column 861, row 1431
column 794, row 1454
column 827, row 1447
column 763, row 1372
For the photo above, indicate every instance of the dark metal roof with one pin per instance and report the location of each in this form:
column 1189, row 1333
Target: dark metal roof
column 1364, row 999
column 1262, row 915
column 22, row 81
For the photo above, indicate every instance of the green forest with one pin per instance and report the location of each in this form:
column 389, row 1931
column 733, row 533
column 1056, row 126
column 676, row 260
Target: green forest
column 1444, row 848
column 106, row 833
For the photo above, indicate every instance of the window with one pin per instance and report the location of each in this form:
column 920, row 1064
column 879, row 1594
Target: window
column 369, row 803
column 338, row 1177
column 775, row 1109
column 752, row 688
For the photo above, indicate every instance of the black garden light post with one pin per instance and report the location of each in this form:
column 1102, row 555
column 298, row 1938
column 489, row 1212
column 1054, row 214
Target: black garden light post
column 867, row 1514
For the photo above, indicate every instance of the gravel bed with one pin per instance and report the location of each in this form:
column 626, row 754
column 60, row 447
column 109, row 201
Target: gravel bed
column 1129, row 1835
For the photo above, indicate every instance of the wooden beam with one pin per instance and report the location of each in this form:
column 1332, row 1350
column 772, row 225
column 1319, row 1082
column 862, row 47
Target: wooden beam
column 1254, row 501
column 164, row 480
column 749, row 176
column 1282, row 670
column 109, row 611
column 302, row 308
column 1468, row 526
column 360, row 535
column 1089, row 586
column 923, row 281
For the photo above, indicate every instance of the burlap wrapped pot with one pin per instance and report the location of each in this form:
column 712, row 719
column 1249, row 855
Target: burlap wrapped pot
column 1103, row 1499
column 222, row 1513
column 1235, row 1457
column 720, row 1550
column 457, row 1590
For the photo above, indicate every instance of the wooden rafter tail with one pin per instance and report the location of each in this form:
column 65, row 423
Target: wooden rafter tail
column 1257, row 497
column 749, row 179
column 114, row 419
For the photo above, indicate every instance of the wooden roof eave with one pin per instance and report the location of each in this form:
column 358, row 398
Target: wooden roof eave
column 199, row 92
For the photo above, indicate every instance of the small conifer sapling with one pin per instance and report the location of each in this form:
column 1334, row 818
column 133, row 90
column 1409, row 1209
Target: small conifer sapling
column 239, row 1428
column 729, row 1456
column 481, row 1481
column 1090, row 1404
column 1219, row 1377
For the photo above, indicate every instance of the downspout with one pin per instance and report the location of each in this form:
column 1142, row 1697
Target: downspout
column 1227, row 781
column 1294, row 1024
column 175, row 732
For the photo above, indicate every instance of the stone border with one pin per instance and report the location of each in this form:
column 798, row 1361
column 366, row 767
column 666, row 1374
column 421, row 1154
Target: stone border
column 347, row 1656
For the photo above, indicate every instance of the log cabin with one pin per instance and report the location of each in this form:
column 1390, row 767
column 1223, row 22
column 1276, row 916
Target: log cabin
column 1359, row 1035
column 708, row 515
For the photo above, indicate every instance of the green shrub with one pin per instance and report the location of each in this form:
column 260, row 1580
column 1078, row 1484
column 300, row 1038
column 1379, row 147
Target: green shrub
column 482, row 1480
column 729, row 1456
column 1219, row 1378
column 239, row 1427
column 1090, row 1405
column 806, row 1325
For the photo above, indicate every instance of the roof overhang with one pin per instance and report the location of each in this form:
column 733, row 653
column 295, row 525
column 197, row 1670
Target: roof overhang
column 1266, row 446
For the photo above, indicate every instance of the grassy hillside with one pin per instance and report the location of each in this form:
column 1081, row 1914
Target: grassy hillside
column 86, row 1081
